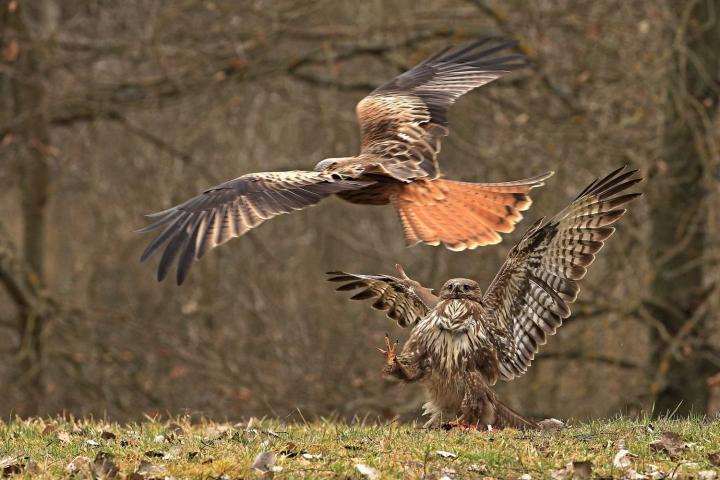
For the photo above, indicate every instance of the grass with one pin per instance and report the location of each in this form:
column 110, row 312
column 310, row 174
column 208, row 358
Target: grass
column 155, row 449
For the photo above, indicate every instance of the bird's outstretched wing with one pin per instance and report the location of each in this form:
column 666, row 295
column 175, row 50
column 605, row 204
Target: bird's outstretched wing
column 404, row 119
column 529, row 297
column 406, row 301
column 231, row 209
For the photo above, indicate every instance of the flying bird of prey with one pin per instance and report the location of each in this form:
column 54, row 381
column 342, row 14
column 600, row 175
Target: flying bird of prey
column 463, row 341
column 402, row 123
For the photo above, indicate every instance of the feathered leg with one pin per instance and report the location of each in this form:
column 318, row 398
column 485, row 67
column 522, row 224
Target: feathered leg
column 407, row 367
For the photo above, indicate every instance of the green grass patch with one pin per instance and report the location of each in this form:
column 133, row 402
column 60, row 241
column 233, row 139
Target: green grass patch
column 180, row 449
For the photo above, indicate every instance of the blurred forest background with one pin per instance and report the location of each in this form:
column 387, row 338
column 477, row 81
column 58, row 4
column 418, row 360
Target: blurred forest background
column 111, row 110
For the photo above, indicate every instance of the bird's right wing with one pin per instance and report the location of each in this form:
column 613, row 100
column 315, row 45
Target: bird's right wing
column 233, row 208
column 406, row 301
column 530, row 296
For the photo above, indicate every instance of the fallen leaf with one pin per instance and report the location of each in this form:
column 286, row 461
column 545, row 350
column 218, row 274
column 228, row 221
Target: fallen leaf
column 654, row 473
column 291, row 450
column 64, row 437
column 448, row 472
column 707, row 475
column 445, row 454
column 477, row 468
column 369, row 472
column 154, row 454
column 525, row 476
column 264, row 462
column 77, row 464
column 49, row 429
column 714, row 459
column 582, row 470
column 631, row 474
column 670, row 442
column 623, row 459
column 147, row 469
column 551, row 425
column 310, row 456
column 104, row 467
column 91, row 443
column 175, row 428
column 105, row 435
column 173, row 454
column 32, row 467
column 11, row 466
column 562, row 473
column 159, row 438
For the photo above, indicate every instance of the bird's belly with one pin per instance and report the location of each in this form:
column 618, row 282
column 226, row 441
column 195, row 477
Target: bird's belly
column 375, row 194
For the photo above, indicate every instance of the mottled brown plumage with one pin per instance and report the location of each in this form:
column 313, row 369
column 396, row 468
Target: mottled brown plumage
column 402, row 124
column 463, row 341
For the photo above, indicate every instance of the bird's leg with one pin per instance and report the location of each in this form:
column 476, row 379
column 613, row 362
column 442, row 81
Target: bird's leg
column 389, row 351
column 403, row 367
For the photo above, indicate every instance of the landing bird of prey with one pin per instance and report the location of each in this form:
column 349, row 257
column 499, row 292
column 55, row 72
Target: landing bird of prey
column 402, row 123
column 463, row 341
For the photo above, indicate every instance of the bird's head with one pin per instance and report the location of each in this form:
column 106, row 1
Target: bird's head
column 461, row 288
column 330, row 163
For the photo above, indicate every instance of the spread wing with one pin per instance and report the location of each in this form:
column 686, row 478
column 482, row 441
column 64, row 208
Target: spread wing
column 231, row 209
column 530, row 296
column 405, row 303
column 404, row 119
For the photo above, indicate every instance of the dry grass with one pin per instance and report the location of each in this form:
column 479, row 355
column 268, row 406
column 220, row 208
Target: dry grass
column 154, row 449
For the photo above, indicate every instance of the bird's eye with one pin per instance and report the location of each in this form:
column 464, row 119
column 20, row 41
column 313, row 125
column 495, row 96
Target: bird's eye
column 466, row 287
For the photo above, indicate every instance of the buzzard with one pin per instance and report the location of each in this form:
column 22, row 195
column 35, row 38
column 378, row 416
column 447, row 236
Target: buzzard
column 402, row 123
column 463, row 341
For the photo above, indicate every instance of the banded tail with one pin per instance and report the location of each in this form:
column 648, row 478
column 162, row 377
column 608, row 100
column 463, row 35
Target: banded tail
column 506, row 417
column 462, row 215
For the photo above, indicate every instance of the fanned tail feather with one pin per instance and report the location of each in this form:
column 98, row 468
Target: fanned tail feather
column 462, row 215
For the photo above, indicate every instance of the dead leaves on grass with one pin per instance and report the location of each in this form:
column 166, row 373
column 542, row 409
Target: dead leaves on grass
column 671, row 443
column 551, row 425
column 264, row 462
column 17, row 465
column 101, row 468
column 368, row 472
column 577, row 470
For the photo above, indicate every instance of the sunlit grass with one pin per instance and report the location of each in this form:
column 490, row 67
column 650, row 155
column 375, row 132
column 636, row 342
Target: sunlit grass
column 328, row 449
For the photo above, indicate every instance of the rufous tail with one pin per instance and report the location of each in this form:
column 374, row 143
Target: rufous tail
column 461, row 214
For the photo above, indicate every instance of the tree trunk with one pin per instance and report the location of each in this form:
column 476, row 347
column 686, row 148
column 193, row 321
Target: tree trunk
column 28, row 92
column 677, row 194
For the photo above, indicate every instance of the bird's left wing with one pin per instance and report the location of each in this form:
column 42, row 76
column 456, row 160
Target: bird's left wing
column 529, row 297
column 406, row 301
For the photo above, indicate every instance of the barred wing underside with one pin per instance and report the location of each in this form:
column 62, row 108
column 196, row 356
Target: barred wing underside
column 530, row 296
column 401, row 301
